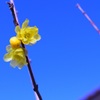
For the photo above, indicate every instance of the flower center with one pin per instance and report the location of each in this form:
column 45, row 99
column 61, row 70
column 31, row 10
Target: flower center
column 27, row 35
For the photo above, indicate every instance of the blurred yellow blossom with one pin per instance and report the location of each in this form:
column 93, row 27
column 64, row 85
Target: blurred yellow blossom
column 16, row 56
column 28, row 35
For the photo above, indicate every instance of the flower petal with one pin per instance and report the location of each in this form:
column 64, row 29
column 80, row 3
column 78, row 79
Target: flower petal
column 17, row 28
column 33, row 41
column 18, row 50
column 21, row 64
column 25, row 41
column 8, row 57
column 13, row 63
column 25, row 23
column 34, row 29
column 8, row 48
column 37, row 37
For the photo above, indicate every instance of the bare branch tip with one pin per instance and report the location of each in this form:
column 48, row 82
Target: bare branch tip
column 10, row 5
column 77, row 5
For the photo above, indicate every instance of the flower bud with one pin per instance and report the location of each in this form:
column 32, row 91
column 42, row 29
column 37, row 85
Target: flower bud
column 15, row 42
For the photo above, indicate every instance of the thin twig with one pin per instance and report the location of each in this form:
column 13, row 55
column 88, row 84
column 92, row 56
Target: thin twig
column 88, row 18
column 14, row 14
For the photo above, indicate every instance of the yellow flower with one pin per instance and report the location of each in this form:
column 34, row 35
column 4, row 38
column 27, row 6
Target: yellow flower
column 15, row 42
column 28, row 35
column 15, row 56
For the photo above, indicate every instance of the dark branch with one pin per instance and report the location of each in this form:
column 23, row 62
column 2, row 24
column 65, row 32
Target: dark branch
column 11, row 6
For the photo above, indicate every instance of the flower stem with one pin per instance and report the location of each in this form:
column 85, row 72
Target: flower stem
column 35, row 86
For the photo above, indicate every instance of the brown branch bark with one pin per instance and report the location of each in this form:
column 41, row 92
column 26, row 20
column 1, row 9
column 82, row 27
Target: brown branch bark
column 15, row 20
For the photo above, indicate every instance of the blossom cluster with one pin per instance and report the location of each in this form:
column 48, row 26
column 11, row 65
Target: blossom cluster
column 26, row 35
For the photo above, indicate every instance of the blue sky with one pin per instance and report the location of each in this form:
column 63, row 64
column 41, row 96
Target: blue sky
column 66, row 62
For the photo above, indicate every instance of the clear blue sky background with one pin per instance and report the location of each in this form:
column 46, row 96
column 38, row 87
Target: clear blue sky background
column 66, row 62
